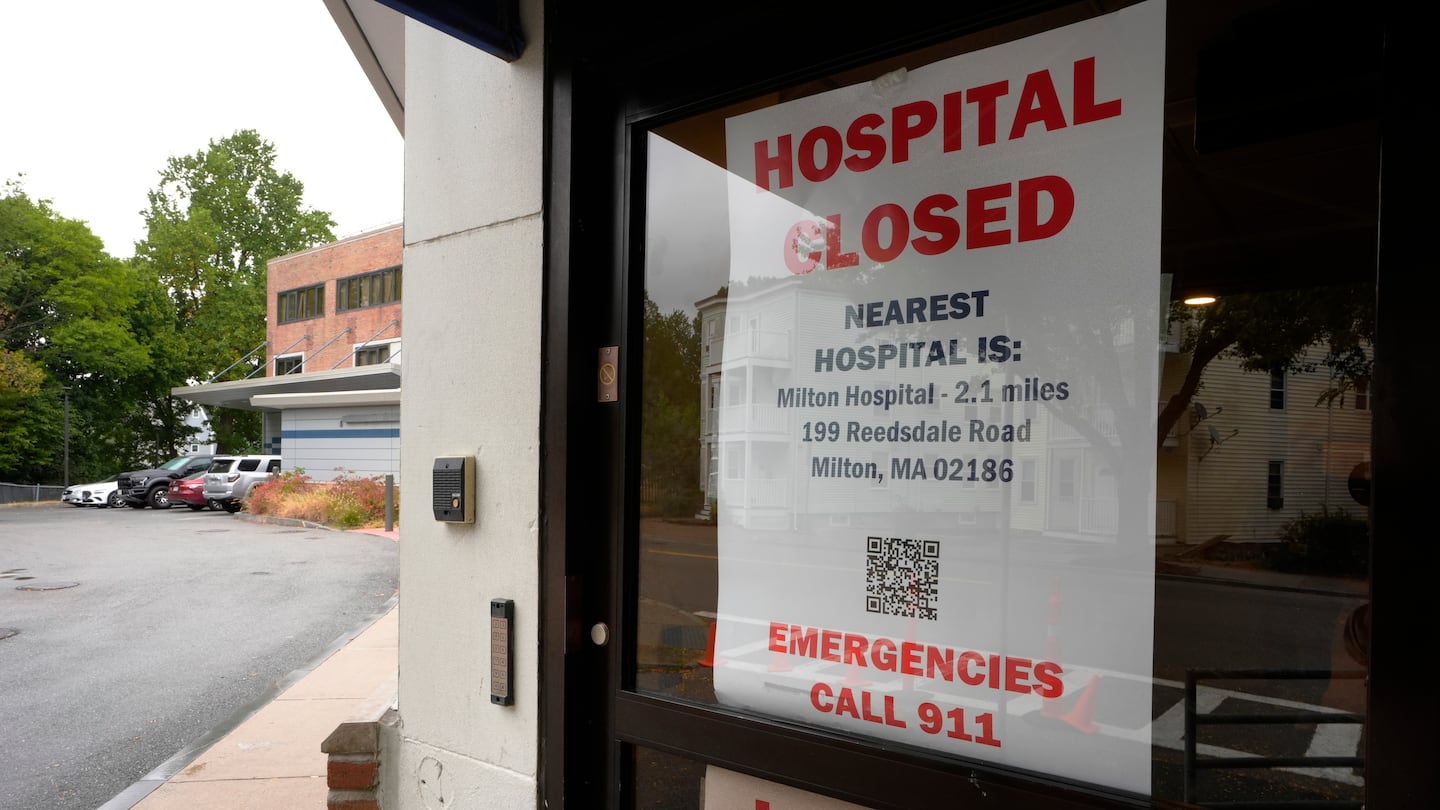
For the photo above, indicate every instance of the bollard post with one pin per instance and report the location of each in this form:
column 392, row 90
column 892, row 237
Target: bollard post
column 389, row 502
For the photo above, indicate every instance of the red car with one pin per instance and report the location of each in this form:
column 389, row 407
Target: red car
column 191, row 492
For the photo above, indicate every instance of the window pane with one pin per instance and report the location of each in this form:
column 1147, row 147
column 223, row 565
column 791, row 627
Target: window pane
column 1050, row 555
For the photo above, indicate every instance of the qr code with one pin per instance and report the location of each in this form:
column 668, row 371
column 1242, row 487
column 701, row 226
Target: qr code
column 902, row 577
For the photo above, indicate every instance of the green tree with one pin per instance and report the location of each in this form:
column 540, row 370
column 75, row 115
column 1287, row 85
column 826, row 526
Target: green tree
column 669, row 439
column 65, row 332
column 212, row 223
column 1270, row 331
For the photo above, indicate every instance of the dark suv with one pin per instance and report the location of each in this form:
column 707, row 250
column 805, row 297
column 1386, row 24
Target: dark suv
column 143, row 488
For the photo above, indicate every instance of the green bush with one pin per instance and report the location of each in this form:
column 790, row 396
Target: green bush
column 679, row 501
column 1331, row 542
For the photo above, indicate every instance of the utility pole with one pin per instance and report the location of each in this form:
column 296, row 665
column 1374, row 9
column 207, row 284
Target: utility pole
column 67, row 434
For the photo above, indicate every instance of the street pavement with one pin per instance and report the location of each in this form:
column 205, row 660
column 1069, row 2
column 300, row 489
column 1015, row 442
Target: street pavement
column 269, row 756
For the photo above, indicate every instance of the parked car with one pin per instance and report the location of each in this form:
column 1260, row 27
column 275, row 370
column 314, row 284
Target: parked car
column 143, row 488
column 191, row 493
column 101, row 493
column 229, row 479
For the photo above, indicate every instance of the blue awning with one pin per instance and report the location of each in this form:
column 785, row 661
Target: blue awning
column 492, row 26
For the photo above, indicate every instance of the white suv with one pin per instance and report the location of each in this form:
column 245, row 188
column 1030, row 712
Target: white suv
column 229, row 479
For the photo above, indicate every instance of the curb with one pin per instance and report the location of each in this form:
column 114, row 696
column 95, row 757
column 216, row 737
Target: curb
column 279, row 521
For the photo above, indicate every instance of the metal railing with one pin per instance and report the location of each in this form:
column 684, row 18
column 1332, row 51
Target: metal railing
column 1194, row 720
column 29, row 493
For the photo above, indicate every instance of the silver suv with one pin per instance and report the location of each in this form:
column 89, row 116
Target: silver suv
column 229, row 479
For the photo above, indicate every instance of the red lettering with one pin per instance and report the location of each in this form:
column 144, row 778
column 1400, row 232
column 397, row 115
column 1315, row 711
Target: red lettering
column 1062, row 198
column 1039, row 104
column 968, row 676
column 944, row 232
column 869, row 145
column 864, row 142
column 983, row 97
column 779, row 162
column 1086, row 110
column 942, row 659
column 867, row 708
column 910, row 653
column 890, row 718
column 804, row 641
column 899, row 233
column 777, row 637
column 834, row 259
column 908, row 122
column 994, row 667
column 813, row 171
column 818, row 691
column 855, row 649
column 977, row 216
column 882, row 654
column 829, row 645
column 1044, row 207
column 952, row 107
column 800, row 255
column 1017, row 675
column 1048, row 674
column 845, row 704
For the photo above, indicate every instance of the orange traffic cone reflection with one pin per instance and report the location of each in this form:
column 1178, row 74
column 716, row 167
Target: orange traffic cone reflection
column 1080, row 716
column 709, row 659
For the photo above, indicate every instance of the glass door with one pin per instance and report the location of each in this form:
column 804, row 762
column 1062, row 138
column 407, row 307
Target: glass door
column 1004, row 425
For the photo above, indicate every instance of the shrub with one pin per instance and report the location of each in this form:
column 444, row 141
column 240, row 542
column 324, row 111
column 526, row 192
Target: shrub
column 348, row 502
column 269, row 497
column 1329, row 542
column 679, row 501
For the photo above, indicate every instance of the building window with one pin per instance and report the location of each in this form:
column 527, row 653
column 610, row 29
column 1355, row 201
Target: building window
column 1277, row 389
column 1027, row 481
column 368, row 289
column 289, row 363
column 372, row 355
column 1275, row 485
column 1362, row 395
column 297, row 305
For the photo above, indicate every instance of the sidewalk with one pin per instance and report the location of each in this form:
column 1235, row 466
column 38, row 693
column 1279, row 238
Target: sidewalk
column 272, row 759
column 1176, row 562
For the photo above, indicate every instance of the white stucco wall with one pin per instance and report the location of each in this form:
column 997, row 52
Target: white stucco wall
column 357, row 442
column 473, row 282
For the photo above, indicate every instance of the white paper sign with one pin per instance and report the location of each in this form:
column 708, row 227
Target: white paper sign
column 937, row 420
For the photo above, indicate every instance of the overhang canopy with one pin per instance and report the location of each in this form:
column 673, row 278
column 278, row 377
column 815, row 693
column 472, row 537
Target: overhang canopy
column 254, row 395
column 375, row 32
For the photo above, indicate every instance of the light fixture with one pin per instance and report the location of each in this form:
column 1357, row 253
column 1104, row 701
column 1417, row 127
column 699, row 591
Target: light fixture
column 1199, row 300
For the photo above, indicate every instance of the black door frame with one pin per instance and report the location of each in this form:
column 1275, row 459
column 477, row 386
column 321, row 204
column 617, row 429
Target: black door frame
column 607, row 67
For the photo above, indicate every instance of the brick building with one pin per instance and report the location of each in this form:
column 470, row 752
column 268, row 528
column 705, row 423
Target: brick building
column 330, row 390
column 336, row 305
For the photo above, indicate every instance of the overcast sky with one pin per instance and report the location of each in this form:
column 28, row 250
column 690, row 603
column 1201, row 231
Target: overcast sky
column 96, row 96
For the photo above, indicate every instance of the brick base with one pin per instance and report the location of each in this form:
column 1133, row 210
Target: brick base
column 352, row 771
column 352, row 800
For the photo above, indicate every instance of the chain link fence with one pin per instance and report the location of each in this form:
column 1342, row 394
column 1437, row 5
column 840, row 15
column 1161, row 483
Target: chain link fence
column 28, row 493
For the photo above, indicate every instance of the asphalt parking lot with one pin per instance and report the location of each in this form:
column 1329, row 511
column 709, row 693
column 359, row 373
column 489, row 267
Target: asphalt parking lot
column 128, row 634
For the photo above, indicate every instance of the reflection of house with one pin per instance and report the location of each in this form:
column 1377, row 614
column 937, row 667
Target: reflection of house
column 1257, row 450
column 330, row 390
